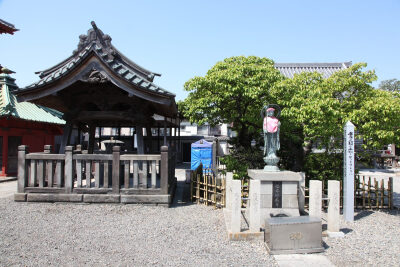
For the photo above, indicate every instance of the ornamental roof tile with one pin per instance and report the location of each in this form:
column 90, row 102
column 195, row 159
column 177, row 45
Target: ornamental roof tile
column 326, row 69
column 6, row 27
column 100, row 44
column 10, row 107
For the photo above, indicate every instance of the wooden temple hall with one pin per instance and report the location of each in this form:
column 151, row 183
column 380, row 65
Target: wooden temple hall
column 98, row 87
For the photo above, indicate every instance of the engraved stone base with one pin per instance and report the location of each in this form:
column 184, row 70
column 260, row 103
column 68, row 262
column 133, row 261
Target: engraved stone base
column 278, row 193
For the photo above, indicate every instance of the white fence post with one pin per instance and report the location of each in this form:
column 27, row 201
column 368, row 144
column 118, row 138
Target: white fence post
column 255, row 205
column 228, row 190
column 334, row 206
column 236, row 203
column 315, row 203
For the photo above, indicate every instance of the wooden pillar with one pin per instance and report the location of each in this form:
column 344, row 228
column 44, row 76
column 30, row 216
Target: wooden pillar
column 179, row 140
column 92, row 131
column 79, row 136
column 4, row 168
column 140, row 143
column 100, row 137
column 165, row 131
column 158, row 138
column 65, row 138
column 149, row 139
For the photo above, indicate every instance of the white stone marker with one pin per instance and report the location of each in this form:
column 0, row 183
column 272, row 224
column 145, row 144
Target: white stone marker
column 315, row 200
column 228, row 190
column 348, row 172
column 334, row 206
column 255, row 205
column 236, row 203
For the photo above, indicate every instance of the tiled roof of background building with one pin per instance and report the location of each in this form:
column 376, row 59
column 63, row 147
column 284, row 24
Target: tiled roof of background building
column 10, row 107
column 326, row 69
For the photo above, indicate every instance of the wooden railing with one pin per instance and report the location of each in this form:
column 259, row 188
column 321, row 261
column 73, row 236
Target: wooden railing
column 102, row 174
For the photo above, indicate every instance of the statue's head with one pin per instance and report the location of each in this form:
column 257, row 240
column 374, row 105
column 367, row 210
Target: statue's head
column 271, row 110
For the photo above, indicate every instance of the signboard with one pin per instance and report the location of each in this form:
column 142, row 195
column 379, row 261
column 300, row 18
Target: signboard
column 348, row 172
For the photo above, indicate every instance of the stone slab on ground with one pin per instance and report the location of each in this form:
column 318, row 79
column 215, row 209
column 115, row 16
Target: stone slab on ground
column 309, row 260
column 8, row 189
column 244, row 235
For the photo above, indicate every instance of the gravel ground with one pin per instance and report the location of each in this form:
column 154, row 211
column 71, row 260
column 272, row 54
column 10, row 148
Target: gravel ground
column 41, row 234
column 373, row 239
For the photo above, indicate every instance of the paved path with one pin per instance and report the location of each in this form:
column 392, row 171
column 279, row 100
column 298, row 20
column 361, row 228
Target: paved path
column 309, row 260
column 8, row 189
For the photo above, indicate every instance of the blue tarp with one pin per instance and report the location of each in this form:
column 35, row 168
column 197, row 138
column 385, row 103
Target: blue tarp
column 201, row 153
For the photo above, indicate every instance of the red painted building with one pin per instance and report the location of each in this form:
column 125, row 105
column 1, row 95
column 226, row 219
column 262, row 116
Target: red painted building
column 23, row 124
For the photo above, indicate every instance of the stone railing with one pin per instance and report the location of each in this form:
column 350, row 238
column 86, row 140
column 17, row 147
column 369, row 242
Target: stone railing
column 79, row 177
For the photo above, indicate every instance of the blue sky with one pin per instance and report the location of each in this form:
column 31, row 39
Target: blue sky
column 183, row 39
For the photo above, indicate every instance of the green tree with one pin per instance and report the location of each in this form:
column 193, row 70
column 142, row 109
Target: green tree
column 392, row 85
column 315, row 109
column 233, row 91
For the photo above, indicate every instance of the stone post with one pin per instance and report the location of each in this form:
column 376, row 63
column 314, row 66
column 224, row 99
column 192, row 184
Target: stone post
column 48, row 149
column 22, row 181
column 228, row 190
column 334, row 206
column 164, row 170
column 68, row 170
column 302, row 194
column 236, row 204
column 115, row 169
column 315, row 200
column 348, row 172
column 255, row 205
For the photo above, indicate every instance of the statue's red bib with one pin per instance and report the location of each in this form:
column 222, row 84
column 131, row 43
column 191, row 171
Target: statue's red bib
column 271, row 124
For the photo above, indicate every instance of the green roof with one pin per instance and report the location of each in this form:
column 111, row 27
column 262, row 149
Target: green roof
column 10, row 107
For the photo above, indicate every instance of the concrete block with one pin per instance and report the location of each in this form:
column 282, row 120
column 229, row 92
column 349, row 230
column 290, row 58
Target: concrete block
column 20, row 197
column 101, row 198
column 289, row 188
column 290, row 201
column 32, row 197
column 156, row 199
column 236, row 204
column 275, row 176
column 266, row 200
column 255, row 205
column 266, row 187
column 315, row 203
column 334, row 206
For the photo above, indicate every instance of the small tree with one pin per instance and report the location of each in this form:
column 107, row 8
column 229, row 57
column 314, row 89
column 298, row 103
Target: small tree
column 233, row 91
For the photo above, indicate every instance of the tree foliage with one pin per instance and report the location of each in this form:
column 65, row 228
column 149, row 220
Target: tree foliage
column 233, row 91
column 392, row 85
column 314, row 109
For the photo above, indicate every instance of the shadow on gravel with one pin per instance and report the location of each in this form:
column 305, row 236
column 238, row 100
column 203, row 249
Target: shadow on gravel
column 325, row 245
column 362, row 214
column 346, row 230
column 182, row 195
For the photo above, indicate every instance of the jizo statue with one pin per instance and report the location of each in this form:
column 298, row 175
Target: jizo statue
column 271, row 128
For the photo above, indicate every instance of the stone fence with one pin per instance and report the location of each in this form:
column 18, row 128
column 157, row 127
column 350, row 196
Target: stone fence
column 95, row 178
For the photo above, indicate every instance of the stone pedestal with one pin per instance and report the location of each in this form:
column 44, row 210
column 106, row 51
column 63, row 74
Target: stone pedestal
column 278, row 193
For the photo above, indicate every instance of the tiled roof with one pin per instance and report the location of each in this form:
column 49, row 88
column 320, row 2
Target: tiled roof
column 100, row 44
column 6, row 27
column 326, row 69
column 9, row 106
